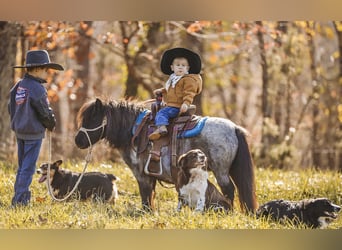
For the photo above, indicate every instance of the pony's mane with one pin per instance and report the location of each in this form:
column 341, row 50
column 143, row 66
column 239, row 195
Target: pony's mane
column 81, row 112
column 121, row 116
column 130, row 106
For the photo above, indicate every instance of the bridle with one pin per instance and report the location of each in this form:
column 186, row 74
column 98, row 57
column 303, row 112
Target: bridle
column 86, row 130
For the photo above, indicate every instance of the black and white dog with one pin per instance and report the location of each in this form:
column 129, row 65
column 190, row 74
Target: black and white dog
column 194, row 188
column 95, row 185
column 315, row 213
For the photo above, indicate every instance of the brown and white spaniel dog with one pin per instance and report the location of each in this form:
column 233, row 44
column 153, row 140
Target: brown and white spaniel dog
column 194, row 188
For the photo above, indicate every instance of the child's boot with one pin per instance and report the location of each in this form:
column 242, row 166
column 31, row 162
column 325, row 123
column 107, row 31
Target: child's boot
column 160, row 131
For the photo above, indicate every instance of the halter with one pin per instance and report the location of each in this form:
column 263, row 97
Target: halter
column 86, row 130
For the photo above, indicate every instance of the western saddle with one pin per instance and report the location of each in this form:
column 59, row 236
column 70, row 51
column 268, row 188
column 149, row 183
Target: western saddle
column 177, row 126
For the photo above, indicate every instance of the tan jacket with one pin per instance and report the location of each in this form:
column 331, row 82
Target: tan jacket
column 185, row 90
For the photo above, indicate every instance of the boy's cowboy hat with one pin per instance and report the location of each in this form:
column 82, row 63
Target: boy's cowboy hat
column 193, row 59
column 39, row 58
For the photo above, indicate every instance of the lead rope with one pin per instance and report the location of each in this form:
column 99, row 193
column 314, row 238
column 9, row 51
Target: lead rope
column 87, row 159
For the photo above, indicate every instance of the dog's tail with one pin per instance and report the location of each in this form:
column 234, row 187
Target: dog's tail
column 242, row 173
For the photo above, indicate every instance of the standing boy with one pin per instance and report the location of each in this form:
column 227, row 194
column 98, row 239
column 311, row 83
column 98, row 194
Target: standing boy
column 31, row 115
column 183, row 85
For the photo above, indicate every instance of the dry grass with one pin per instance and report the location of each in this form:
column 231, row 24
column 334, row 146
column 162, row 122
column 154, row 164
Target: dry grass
column 44, row 213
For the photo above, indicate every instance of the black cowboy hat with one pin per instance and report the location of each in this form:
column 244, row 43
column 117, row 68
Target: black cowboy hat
column 193, row 59
column 39, row 58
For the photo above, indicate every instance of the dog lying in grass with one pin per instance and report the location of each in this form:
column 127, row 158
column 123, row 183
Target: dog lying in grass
column 194, row 188
column 315, row 213
column 95, row 185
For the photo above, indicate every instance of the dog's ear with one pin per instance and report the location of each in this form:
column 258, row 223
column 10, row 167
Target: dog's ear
column 181, row 160
column 58, row 163
column 113, row 177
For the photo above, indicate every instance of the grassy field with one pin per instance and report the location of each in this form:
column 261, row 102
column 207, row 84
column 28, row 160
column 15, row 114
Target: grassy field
column 44, row 213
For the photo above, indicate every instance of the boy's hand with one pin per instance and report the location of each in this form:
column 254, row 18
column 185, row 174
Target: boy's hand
column 183, row 108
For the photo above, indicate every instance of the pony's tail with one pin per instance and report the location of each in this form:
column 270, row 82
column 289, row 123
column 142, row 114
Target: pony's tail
column 242, row 173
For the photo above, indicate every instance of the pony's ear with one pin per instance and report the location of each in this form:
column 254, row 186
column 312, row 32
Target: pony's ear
column 98, row 103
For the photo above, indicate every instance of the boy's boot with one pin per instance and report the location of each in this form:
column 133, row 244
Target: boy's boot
column 160, row 131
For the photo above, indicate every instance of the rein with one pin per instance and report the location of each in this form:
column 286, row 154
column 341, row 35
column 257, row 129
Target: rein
column 87, row 160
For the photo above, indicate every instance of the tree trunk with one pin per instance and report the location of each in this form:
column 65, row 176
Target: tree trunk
column 265, row 140
column 140, row 67
column 234, row 81
column 325, row 75
column 339, row 102
column 128, row 30
column 193, row 43
column 66, row 108
column 82, row 60
column 315, row 151
column 9, row 35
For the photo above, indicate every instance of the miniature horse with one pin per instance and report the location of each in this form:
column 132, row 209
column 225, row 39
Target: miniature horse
column 222, row 141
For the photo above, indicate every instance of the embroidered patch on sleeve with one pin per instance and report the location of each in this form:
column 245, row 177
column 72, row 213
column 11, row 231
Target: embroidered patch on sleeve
column 21, row 95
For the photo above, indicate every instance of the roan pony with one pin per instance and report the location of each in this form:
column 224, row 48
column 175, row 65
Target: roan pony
column 223, row 142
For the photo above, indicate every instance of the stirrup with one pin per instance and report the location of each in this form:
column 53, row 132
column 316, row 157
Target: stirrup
column 146, row 171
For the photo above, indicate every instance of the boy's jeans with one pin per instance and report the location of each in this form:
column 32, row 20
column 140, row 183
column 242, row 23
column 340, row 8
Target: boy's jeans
column 28, row 152
column 164, row 114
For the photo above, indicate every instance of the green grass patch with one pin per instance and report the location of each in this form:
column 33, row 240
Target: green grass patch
column 44, row 213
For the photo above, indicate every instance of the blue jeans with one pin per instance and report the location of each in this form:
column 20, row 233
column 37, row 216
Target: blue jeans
column 28, row 152
column 163, row 115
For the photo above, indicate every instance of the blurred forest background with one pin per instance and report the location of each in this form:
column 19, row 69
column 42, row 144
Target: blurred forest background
column 281, row 80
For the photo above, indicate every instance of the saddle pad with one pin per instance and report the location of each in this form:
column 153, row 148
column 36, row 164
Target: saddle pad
column 195, row 131
column 139, row 119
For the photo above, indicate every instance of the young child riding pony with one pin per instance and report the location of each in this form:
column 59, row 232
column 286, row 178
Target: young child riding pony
column 183, row 67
